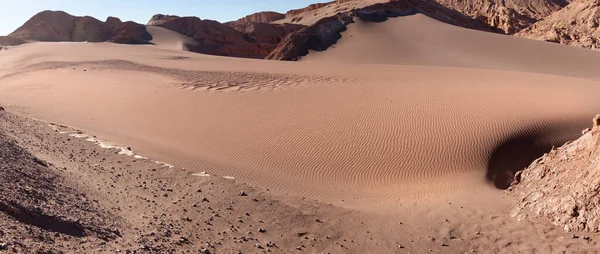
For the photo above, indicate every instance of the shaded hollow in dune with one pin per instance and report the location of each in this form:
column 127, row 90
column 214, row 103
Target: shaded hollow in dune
column 511, row 155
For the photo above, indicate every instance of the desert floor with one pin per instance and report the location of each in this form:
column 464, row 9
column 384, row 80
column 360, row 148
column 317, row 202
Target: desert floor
column 394, row 137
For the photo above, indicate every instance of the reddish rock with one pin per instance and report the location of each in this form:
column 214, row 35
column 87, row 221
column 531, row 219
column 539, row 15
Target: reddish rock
column 10, row 41
column 509, row 16
column 61, row 26
column 562, row 186
column 91, row 29
column 113, row 21
column 319, row 36
column 327, row 31
column 131, row 33
column 292, row 13
column 160, row 19
column 267, row 36
column 47, row 26
column 214, row 38
column 261, row 17
column 578, row 24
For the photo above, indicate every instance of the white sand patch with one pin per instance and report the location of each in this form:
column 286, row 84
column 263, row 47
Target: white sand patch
column 202, row 174
column 102, row 143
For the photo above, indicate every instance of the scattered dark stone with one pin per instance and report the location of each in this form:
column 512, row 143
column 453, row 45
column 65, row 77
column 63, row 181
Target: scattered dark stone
column 400, row 246
column 302, row 233
column 257, row 245
column 243, row 194
column 444, row 244
column 586, row 237
column 574, row 236
column 3, row 246
column 270, row 244
column 262, row 230
column 205, row 199
column 204, row 251
column 1, row 108
column 40, row 162
column 318, row 220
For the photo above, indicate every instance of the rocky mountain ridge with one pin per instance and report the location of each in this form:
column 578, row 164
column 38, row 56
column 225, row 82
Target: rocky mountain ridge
column 238, row 39
column 61, row 26
column 275, row 35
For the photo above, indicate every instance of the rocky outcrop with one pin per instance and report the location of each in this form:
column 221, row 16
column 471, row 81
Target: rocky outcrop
column 578, row 24
column 327, row 30
column 131, row 33
column 319, row 36
column 213, row 37
column 296, row 12
column 61, row 26
column 268, row 36
column 509, row 16
column 562, row 186
column 10, row 41
column 35, row 198
column 260, row 17
column 113, row 21
column 47, row 26
column 159, row 19
column 90, row 29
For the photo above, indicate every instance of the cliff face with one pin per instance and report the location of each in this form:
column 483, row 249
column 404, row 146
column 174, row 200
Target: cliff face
column 327, row 30
column 213, row 37
column 509, row 16
column 578, row 24
column 562, row 186
column 61, row 26
column 261, row 17
column 292, row 13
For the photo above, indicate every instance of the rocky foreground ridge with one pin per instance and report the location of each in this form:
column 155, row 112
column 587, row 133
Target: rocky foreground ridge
column 289, row 36
column 562, row 186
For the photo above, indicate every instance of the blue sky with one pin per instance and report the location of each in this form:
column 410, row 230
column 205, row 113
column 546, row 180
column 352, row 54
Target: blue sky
column 14, row 13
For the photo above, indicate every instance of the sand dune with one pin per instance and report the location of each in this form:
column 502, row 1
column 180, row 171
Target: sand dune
column 166, row 38
column 412, row 114
column 396, row 41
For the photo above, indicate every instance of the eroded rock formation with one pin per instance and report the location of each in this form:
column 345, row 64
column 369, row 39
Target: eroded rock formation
column 327, row 30
column 260, row 17
column 509, row 16
column 578, row 24
column 562, row 186
column 61, row 26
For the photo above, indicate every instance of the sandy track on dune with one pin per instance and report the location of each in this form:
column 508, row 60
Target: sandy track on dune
column 205, row 80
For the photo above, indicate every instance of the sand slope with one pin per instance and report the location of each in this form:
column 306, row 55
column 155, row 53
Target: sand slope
column 169, row 39
column 396, row 41
column 418, row 125
column 346, row 133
